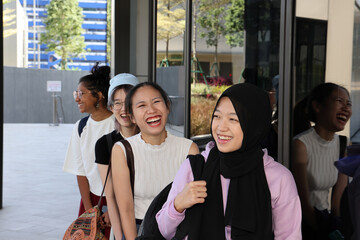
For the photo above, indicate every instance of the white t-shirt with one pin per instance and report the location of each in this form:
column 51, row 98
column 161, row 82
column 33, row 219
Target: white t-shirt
column 155, row 167
column 80, row 155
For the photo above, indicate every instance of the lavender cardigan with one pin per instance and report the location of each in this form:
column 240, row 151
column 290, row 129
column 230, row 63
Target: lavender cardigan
column 285, row 202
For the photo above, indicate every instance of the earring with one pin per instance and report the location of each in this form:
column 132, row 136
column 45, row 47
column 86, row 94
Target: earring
column 97, row 104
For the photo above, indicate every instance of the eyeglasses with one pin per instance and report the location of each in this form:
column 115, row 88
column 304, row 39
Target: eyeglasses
column 78, row 94
column 118, row 105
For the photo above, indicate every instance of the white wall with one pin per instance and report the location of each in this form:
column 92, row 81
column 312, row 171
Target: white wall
column 339, row 45
column 317, row 9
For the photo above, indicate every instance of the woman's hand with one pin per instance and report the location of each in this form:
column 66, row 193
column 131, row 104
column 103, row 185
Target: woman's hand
column 193, row 193
column 105, row 220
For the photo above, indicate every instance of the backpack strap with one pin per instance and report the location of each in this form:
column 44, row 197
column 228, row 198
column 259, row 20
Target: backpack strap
column 343, row 142
column 130, row 162
column 82, row 124
column 197, row 163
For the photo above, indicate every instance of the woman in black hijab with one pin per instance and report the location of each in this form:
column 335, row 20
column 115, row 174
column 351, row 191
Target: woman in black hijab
column 243, row 193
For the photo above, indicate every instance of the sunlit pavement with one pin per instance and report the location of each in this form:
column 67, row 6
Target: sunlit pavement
column 39, row 200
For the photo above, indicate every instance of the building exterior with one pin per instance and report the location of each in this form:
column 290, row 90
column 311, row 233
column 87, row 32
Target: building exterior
column 15, row 35
column 94, row 25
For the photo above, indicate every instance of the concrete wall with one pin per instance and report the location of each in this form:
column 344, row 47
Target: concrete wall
column 26, row 99
column 139, row 39
column 172, row 80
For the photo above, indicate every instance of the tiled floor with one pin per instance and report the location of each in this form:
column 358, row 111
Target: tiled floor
column 39, row 200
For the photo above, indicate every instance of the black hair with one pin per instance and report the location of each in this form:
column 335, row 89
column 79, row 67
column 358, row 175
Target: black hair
column 128, row 100
column 125, row 87
column 320, row 94
column 301, row 117
column 98, row 81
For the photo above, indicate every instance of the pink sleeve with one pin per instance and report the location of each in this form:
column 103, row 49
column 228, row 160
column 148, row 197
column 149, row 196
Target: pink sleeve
column 168, row 218
column 286, row 208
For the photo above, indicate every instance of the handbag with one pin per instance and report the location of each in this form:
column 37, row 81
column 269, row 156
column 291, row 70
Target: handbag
column 87, row 226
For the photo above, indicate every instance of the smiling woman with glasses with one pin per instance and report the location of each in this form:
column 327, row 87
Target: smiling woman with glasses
column 91, row 97
column 78, row 94
column 120, row 85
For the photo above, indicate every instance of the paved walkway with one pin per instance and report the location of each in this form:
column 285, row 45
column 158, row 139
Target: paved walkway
column 39, row 199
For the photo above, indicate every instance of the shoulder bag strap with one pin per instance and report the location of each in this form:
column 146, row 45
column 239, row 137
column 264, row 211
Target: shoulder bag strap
column 343, row 142
column 130, row 162
column 197, row 163
column 110, row 144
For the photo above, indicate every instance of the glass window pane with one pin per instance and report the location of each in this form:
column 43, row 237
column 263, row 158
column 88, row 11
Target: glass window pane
column 170, row 70
column 233, row 42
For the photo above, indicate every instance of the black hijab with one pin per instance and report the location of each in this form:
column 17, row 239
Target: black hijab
column 248, row 208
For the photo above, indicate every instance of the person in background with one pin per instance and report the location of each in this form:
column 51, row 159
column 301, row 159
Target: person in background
column 157, row 155
column 91, row 97
column 350, row 166
column 243, row 193
column 124, row 128
column 313, row 157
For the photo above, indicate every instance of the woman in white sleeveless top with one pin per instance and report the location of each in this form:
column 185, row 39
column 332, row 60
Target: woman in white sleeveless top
column 314, row 154
column 157, row 155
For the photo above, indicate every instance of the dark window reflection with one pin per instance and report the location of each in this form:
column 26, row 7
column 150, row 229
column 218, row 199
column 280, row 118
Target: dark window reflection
column 310, row 52
column 262, row 25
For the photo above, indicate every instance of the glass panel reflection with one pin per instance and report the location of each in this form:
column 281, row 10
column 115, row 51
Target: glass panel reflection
column 233, row 42
column 170, row 70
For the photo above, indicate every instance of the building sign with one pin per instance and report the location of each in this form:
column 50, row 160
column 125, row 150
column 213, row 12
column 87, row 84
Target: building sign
column 53, row 86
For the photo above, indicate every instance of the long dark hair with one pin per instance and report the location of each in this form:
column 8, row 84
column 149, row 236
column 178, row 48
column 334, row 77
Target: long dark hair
column 98, row 81
column 320, row 94
column 304, row 113
column 128, row 99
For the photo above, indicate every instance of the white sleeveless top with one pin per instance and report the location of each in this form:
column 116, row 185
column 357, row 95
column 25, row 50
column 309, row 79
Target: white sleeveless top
column 155, row 167
column 322, row 174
